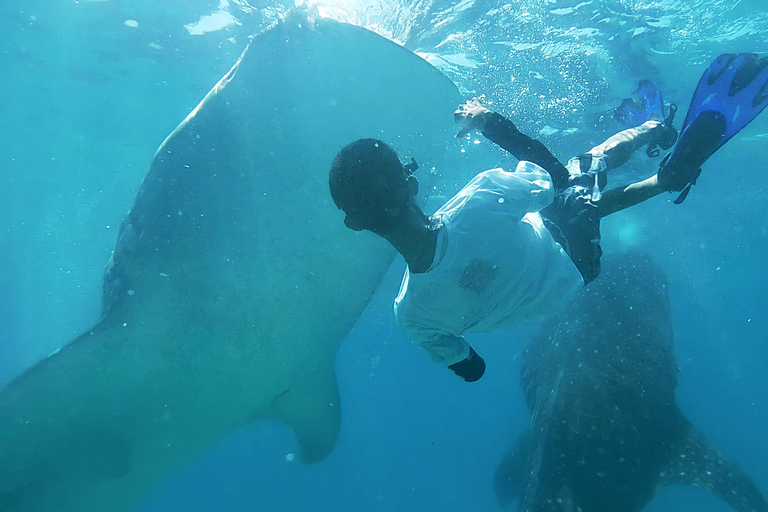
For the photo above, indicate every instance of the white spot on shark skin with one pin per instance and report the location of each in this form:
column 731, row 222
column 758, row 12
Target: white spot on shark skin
column 131, row 23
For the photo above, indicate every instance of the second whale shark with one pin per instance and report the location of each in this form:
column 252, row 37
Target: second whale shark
column 606, row 433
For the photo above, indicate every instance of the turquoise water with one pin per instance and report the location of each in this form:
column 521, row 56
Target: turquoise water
column 92, row 88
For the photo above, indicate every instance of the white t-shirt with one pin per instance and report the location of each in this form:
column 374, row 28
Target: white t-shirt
column 495, row 263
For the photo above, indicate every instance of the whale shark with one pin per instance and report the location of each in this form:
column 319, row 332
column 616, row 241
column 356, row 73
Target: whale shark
column 233, row 280
column 605, row 432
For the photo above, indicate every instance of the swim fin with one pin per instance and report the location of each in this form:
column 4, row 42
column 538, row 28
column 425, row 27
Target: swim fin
column 731, row 93
column 644, row 104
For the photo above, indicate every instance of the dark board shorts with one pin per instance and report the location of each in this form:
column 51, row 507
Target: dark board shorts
column 573, row 217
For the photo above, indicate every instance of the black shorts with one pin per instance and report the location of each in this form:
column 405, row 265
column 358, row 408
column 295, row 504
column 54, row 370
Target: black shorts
column 574, row 221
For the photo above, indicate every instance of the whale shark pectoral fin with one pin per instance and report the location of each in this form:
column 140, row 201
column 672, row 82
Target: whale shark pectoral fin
column 312, row 409
column 695, row 463
column 510, row 479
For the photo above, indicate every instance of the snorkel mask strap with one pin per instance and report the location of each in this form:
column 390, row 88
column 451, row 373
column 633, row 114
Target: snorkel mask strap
column 410, row 168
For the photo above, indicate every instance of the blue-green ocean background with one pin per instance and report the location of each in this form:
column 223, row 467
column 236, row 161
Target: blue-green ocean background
column 90, row 89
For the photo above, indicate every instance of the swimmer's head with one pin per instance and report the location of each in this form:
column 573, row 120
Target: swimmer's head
column 370, row 185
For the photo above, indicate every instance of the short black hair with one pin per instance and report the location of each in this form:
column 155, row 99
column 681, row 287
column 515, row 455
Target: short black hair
column 365, row 180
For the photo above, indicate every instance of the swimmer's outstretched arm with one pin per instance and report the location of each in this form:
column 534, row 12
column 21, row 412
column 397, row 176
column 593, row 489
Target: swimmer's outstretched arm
column 617, row 199
column 620, row 147
column 498, row 129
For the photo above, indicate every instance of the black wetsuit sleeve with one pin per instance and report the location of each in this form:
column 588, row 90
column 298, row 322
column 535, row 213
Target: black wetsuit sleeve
column 500, row 130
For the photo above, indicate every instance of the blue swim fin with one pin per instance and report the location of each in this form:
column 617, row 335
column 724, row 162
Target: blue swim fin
column 644, row 104
column 731, row 93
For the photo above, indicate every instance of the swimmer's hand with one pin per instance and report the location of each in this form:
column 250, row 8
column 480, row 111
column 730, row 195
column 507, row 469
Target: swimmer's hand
column 471, row 368
column 471, row 116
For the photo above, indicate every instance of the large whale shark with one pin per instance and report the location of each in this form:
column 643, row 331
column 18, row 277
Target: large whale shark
column 605, row 432
column 233, row 280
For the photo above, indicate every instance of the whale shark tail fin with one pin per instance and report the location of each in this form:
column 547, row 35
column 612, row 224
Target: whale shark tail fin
column 510, row 479
column 695, row 463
